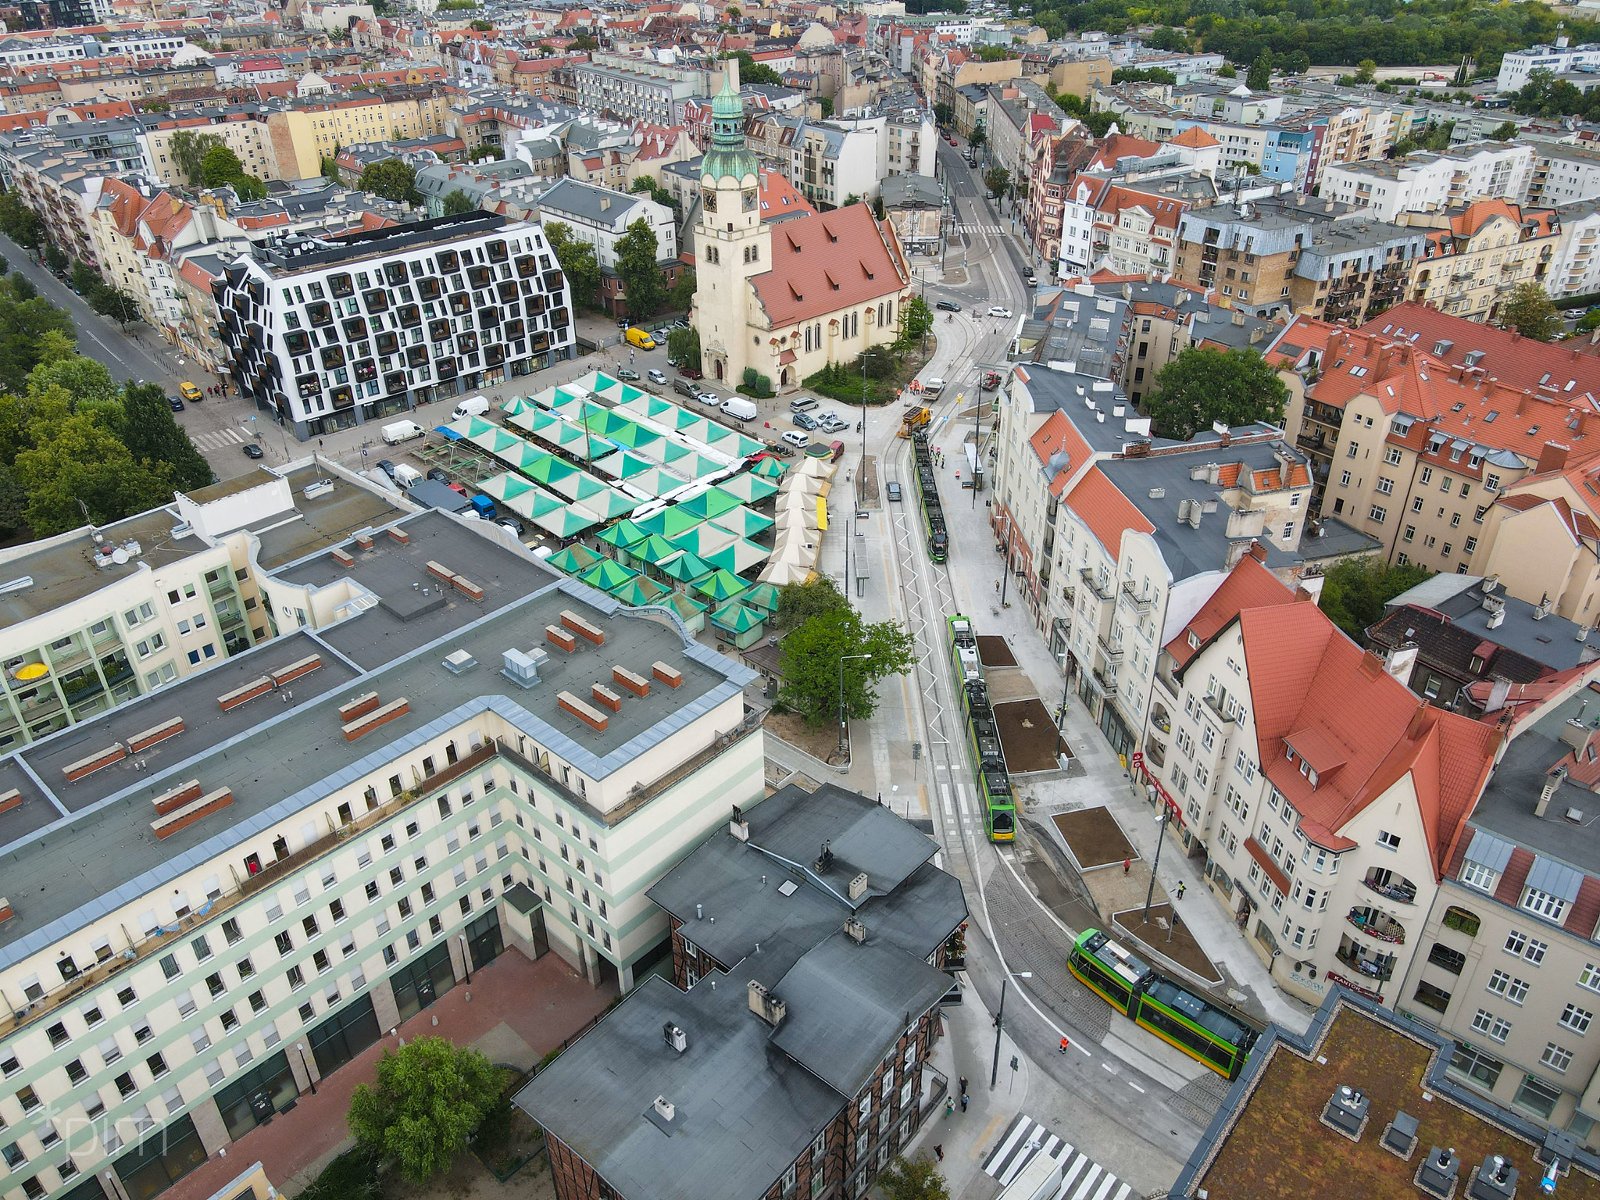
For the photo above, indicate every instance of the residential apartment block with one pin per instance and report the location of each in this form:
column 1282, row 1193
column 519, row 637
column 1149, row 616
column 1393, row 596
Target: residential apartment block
column 329, row 334
column 600, row 217
column 1425, row 181
column 1478, row 253
column 1517, row 65
column 312, row 841
column 637, row 89
column 807, row 937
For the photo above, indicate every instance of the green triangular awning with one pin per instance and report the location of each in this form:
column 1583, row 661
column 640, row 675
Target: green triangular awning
column 712, row 502
column 735, row 618
column 745, row 522
column 516, row 406
column 505, row 486
column 622, row 535
column 703, row 539
column 652, row 550
column 606, row 575
column 767, row 468
column 574, row 560
column 668, row 522
column 657, row 481
column 719, row 585
column 687, row 607
column 686, row 567
column 763, row 596
column 738, row 556
column 749, row 488
column 640, row 590
column 548, row 469
column 624, row 465
column 716, row 433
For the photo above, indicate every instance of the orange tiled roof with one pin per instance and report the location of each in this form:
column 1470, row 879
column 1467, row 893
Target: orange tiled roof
column 1105, row 510
column 1248, row 585
column 1058, row 433
column 1194, row 138
column 1552, row 367
column 828, row 261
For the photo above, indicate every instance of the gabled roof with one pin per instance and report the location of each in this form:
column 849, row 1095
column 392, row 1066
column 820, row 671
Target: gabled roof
column 1194, row 138
column 1248, row 585
column 1101, row 506
column 1311, row 685
column 828, row 261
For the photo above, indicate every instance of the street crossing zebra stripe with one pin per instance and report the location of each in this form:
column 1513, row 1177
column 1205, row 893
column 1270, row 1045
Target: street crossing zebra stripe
column 217, row 439
column 1080, row 1177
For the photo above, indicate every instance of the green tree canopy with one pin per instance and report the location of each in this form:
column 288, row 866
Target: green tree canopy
column 683, row 347
column 150, row 432
column 220, row 167
column 1142, row 75
column 429, row 1099
column 913, row 1179
column 1259, row 77
column 78, row 460
column 916, row 320
column 83, row 277
column 393, row 179
column 818, row 643
column 56, row 258
column 750, row 71
column 25, row 320
column 637, row 267
column 456, row 202
column 978, row 138
column 996, row 179
column 330, row 169
column 1203, row 386
column 577, row 261
column 681, row 297
column 1530, row 311
column 1355, row 590
column 942, row 113
column 188, row 151
column 645, row 186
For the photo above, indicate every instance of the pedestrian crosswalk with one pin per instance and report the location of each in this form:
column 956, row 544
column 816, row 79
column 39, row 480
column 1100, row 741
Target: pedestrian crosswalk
column 218, row 439
column 1074, row 1176
column 964, row 228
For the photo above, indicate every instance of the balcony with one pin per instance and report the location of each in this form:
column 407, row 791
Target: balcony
column 1109, row 650
column 1391, row 886
column 1130, row 595
column 1100, row 587
column 1366, row 963
column 1450, row 960
column 1376, row 924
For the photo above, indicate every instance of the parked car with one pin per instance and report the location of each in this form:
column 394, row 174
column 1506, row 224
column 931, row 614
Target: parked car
column 689, row 372
column 832, row 424
column 709, row 399
column 628, row 374
column 454, row 487
column 796, row 438
column 251, row 450
column 190, row 392
column 802, row 403
column 655, row 376
column 175, row 403
column 947, row 306
column 685, row 387
column 639, row 338
column 996, row 311
column 806, row 421
column 439, row 475
column 384, row 465
column 892, row 490
column 510, row 523
column 661, row 335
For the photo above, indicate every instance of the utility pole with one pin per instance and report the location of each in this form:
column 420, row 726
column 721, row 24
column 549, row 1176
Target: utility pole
column 999, row 1024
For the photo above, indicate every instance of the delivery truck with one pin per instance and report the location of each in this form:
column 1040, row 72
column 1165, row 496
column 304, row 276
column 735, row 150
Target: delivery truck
column 401, row 431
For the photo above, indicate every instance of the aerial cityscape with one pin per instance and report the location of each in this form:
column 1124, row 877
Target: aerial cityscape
column 920, row 599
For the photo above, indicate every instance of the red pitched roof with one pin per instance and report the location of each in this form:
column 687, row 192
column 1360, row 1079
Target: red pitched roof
column 1194, row 138
column 777, row 198
column 1248, row 585
column 1311, row 686
column 1105, row 510
column 1056, row 434
column 828, row 261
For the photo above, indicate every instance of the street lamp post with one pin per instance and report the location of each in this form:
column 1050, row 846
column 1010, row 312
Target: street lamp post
column 1061, row 713
column 1000, row 1022
column 1161, row 837
column 844, row 735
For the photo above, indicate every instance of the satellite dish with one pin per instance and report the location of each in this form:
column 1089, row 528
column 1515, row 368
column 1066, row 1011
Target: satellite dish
column 119, row 556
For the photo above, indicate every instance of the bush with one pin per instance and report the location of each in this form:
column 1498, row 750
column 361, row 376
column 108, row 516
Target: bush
column 351, row 1176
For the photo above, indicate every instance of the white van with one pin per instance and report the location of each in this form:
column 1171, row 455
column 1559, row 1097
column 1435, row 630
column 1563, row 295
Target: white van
column 475, row 407
column 405, row 475
column 798, row 438
column 401, row 431
column 739, row 408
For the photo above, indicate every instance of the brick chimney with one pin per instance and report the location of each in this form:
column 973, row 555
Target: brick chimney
column 1552, row 457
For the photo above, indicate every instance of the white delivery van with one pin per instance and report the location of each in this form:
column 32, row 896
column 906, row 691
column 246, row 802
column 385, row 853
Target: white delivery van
column 477, row 406
column 739, row 408
column 401, row 431
column 405, row 476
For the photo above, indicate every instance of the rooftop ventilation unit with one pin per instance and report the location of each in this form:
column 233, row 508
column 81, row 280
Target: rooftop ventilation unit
column 1400, row 1135
column 317, row 489
column 1437, row 1174
column 521, row 667
column 1496, row 1180
column 675, row 1037
column 460, row 662
column 11, row 587
column 1346, row 1112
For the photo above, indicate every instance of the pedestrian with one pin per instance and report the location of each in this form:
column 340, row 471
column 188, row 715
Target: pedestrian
column 964, row 1101
column 1064, row 1045
column 1182, row 887
column 949, row 1105
column 963, row 1085
column 938, row 1152
column 1127, row 865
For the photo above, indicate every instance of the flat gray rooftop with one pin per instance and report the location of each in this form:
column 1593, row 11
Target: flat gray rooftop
column 1550, row 640
column 325, row 520
column 277, row 755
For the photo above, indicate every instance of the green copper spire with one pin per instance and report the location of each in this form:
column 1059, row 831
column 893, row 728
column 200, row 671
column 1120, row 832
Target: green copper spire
column 728, row 157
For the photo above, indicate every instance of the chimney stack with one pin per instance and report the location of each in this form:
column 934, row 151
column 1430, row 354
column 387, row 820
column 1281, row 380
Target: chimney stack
column 1552, row 457
column 1551, row 782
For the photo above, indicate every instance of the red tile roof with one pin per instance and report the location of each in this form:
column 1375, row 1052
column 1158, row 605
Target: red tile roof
column 1309, row 684
column 828, row 261
column 777, row 197
column 1194, row 138
column 1105, row 510
column 1056, row 434
column 1248, row 585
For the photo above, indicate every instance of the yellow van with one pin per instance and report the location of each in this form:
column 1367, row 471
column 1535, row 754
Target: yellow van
column 639, row 338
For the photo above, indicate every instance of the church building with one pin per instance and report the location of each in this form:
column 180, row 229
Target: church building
column 785, row 299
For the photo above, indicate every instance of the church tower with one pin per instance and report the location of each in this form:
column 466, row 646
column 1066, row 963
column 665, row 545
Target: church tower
column 731, row 244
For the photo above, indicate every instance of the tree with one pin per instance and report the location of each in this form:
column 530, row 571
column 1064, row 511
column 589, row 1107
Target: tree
column 578, row 263
column 1259, row 77
column 750, row 71
column 978, row 138
column 188, row 151
column 585, row 42
column 993, row 53
column 429, row 1099
column 77, row 460
column 639, row 270
column 220, row 166
column 480, row 25
column 683, row 347
column 1143, row 75
column 109, row 302
column 1203, row 386
column 1227, row 71
column 26, row 320
column 913, row 1179
column 393, row 179
column 487, row 151
column 150, row 432
column 825, row 105
column 83, row 382
column 996, row 179
column 813, row 652
column 645, row 186
column 916, row 320
column 56, row 259
column 1297, row 62
column 1503, row 132
column 681, row 297
column 330, row 169
column 83, row 277
column 1366, row 69
column 1530, row 311
column 1355, row 590
column 19, row 222
column 456, row 201
column 799, row 602
column 943, row 113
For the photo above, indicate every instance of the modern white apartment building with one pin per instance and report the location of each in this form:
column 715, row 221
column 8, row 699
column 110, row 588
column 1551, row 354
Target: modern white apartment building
column 331, row 333
column 217, row 893
column 1426, row 182
column 1575, row 269
column 95, row 617
column 1517, row 65
column 1563, row 173
column 637, row 89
